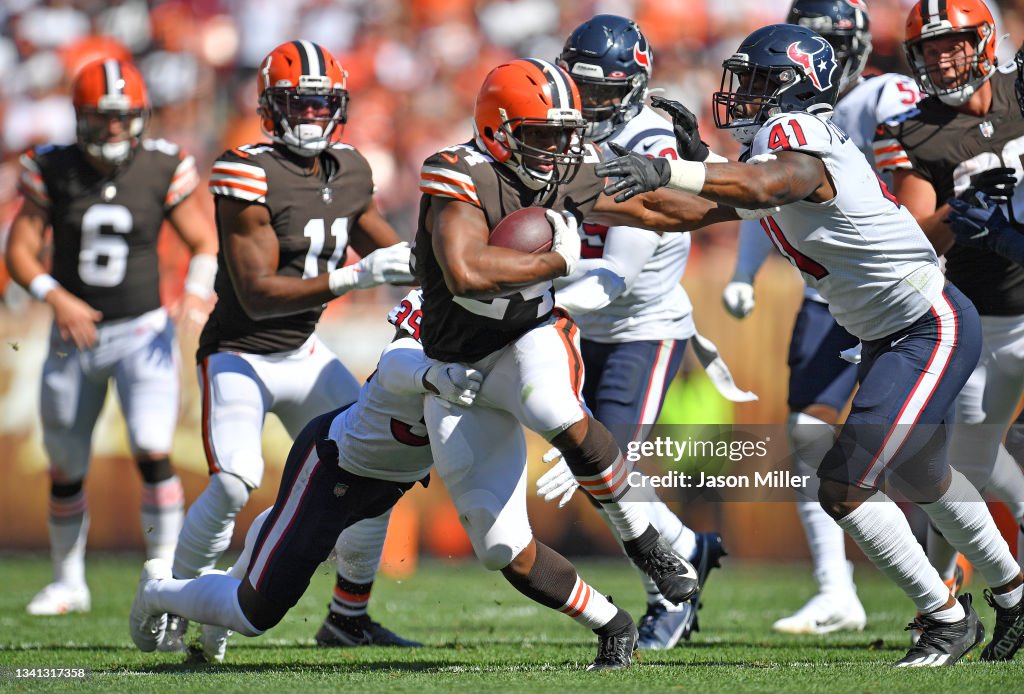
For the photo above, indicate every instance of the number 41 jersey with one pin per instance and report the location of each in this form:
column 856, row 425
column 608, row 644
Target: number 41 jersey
column 105, row 227
column 863, row 251
column 311, row 218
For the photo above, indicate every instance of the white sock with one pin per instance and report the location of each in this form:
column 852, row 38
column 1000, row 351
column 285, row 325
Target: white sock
column 241, row 566
column 810, row 439
column 1009, row 599
column 963, row 518
column 675, row 532
column 209, row 524
column 163, row 511
column 609, row 487
column 587, row 606
column 941, row 554
column 69, row 526
column 949, row 615
column 881, row 530
column 360, row 546
column 210, row 599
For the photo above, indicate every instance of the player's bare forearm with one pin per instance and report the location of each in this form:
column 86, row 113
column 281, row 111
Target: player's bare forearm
column 790, row 177
column 251, row 252
column 474, row 269
column 193, row 224
column 372, row 231
column 25, row 243
column 661, row 210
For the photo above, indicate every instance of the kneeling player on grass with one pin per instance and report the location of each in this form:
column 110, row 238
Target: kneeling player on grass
column 347, row 465
column 876, row 269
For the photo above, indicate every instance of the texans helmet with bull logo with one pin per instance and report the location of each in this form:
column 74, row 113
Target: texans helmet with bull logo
column 777, row 69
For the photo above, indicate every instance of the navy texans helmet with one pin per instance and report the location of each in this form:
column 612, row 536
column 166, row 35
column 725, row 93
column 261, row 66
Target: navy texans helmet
column 845, row 25
column 777, row 69
column 610, row 59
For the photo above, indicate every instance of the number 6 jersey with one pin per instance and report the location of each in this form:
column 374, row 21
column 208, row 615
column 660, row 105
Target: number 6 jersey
column 311, row 216
column 105, row 227
column 863, row 251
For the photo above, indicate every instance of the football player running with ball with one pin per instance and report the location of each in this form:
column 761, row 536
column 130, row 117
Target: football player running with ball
column 287, row 211
column 874, row 266
column 493, row 308
column 633, row 315
column 105, row 198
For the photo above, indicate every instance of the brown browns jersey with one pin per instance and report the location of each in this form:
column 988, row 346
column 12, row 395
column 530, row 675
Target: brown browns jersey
column 947, row 148
column 462, row 329
column 106, row 226
column 311, row 217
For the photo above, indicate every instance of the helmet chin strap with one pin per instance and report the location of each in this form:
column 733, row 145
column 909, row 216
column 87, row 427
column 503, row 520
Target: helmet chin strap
column 110, row 152
column 307, row 139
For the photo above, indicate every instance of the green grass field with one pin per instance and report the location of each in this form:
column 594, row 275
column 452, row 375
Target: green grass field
column 483, row 636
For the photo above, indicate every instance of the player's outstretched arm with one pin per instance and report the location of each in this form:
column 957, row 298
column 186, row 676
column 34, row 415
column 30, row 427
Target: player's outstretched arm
column 769, row 182
column 977, row 221
column 475, row 270
column 405, row 370
column 75, row 319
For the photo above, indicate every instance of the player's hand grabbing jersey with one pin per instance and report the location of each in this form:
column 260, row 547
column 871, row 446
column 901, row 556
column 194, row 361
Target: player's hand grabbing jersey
column 311, row 216
column 947, row 148
column 857, row 247
column 105, row 227
column 461, row 329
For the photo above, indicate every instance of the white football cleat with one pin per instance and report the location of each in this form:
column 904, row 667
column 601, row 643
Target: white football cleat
column 60, row 598
column 214, row 641
column 824, row 614
column 147, row 630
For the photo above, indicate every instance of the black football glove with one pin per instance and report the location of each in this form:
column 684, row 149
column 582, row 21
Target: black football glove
column 997, row 184
column 1018, row 84
column 636, row 173
column 684, row 125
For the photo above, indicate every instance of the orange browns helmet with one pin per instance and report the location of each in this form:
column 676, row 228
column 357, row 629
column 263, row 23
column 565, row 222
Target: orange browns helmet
column 303, row 97
column 930, row 19
column 528, row 117
column 105, row 92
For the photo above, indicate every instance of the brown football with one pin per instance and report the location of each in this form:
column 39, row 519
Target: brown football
column 526, row 230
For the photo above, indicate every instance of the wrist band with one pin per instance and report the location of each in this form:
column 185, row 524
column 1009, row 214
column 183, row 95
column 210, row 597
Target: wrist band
column 41, row 285
column 687, row 176
column 202, row 271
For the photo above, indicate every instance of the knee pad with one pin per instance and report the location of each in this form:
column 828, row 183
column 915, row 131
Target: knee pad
column 228, row 493
column 496, row 542
column 155, row 471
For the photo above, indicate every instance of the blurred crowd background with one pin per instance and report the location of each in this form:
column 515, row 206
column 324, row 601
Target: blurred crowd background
column 414, row 67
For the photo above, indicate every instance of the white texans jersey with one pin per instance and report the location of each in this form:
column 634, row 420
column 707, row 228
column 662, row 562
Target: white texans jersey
column 859, row 112
column 862, row 250
column 382, row 435
column 871, row 102
column 633, row 283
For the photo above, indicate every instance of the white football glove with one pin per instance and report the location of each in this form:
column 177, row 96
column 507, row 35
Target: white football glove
column 558, row 481
column 384, row 265
column 738, row 296
column 566, row 241
column 455, row 383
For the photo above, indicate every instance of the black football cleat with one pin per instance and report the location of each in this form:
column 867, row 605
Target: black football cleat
column 1008, row 635
column 942, row 643
column 339, row 631
column 615, row 650
column 675, row 577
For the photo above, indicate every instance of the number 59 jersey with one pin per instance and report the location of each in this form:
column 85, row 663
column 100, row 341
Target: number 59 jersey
column 105, row 227
column 862, row 250
column 311, row 217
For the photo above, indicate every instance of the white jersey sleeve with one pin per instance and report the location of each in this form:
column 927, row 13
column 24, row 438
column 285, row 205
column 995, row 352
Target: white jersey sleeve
column 872, row 102
column 862, row 250
column 630, row 287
